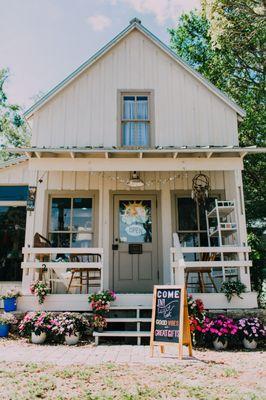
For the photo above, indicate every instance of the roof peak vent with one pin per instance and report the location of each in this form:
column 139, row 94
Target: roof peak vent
column 135, row 21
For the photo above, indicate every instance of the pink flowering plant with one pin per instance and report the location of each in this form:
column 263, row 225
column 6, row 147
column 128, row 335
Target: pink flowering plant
column 100, row 305
column 99, row 321
column 36, row 322
column 251, row 329
column 221, row 327
column 40, row 289
column 100, row 302
column 69, row 324
column 196, row 313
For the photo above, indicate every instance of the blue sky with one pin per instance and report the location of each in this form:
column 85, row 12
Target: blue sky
column 42, row 41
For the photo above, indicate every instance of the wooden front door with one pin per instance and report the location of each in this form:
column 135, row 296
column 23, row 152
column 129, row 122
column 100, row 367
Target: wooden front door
column 135, row 243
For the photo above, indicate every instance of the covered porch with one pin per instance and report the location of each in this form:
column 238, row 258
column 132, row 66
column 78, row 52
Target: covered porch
column 102, row 175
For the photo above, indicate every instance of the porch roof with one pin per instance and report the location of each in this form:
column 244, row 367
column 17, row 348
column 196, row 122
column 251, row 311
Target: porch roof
column 138, row 152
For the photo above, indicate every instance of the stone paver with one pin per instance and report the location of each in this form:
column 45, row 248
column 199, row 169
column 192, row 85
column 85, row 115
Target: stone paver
column 88, row 354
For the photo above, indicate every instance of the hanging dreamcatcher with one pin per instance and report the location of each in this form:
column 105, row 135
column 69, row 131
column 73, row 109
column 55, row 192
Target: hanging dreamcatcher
column 200, row 188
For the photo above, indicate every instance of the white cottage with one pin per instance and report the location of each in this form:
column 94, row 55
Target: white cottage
column 114, row 150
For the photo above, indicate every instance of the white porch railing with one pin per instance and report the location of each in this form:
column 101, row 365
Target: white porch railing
column 238, row 254
column 39, row 259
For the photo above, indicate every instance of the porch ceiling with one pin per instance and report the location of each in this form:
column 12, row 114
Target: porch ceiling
column 156, row 152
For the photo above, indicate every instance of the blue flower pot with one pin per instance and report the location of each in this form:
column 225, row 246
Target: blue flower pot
column 4, row 329
column 10, row 304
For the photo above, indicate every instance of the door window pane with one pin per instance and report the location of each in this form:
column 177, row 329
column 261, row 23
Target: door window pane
column 135, row 223
column 60, row 214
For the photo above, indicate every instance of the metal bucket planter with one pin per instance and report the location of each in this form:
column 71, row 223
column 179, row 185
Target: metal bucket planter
column 38, row 339
column 72, row 339
column 4, row 330
column 250, row 345
column 10, row 304
column 219, row 345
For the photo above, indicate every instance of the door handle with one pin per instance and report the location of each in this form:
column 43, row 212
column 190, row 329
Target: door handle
column 114, row 246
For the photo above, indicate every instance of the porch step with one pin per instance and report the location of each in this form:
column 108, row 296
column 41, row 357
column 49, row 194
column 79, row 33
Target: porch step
column 123, row 334
column 128, row 320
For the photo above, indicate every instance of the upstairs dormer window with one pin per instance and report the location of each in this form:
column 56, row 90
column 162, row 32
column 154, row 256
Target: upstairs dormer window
column 135, row 121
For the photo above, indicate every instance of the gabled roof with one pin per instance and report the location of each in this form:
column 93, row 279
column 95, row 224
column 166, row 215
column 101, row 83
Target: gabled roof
column 134, row 24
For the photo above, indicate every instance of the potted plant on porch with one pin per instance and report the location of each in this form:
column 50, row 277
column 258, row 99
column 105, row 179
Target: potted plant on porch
column 10, row 299
column 233, row 288
column 6, row 319
column 100, row 305
column 36, row 325
column 70, row 326
column 219, row 330
column 251, row 330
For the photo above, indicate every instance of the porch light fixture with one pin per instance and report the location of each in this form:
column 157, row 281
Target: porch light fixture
column 135, row 181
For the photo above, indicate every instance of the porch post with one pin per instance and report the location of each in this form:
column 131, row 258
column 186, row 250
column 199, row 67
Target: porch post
column 166, row 233
column 27, row 275
column 242, row 228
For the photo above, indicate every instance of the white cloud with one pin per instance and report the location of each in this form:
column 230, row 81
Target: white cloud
column 162, row 9
column 99, row 22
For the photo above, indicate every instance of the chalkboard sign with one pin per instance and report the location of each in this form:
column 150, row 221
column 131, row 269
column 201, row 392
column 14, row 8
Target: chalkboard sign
column 167, row 315
column 170, row 322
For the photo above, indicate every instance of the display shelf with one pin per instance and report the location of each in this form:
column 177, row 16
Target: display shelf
column 225, row 232
column 224, row 209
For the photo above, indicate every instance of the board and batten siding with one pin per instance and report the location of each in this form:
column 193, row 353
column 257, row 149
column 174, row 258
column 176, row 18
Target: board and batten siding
column 85, row 113
column 18, row 175
column 113, row 182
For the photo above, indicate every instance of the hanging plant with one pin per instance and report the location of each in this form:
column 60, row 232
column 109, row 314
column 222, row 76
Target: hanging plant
column 40, row 289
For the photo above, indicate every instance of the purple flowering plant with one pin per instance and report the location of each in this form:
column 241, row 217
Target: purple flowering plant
column 220, row 327
column 251, row 329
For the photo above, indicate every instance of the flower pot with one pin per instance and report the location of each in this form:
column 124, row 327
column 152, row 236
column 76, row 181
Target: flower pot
column 10, row 304
column 218, row 345
column 72, row 339
column 250, row 345
column 4, row 330
column 38, row 339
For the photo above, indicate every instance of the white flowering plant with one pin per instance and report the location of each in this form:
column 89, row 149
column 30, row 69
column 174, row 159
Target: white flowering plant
column 251, row 329
column 7, row 319
column 69, row 324
column 10, row 294
column 40, row 289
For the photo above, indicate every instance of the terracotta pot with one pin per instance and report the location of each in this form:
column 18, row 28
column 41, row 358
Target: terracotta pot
column 250, row 345
column 218, row 345
column 38, row 339
column 72, row 339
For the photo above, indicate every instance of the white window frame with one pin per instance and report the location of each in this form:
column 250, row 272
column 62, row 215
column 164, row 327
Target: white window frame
column 122, row 121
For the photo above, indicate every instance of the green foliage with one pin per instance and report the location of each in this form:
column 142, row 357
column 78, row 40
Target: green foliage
column 226, row 44
column 13, row 131
column 233, row 288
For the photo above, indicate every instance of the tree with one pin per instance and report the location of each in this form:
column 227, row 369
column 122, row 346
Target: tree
column 225, row 42
column 13, row 129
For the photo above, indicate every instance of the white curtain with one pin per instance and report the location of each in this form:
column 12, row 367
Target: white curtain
column 128, row 127
column 135, row 134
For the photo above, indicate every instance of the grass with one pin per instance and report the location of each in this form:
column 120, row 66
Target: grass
column 189, row 381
